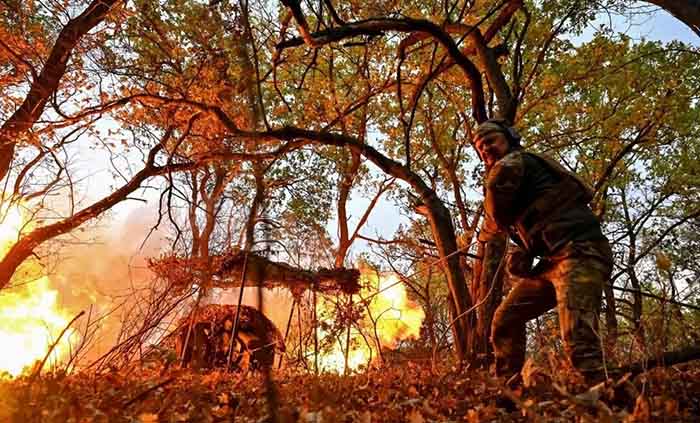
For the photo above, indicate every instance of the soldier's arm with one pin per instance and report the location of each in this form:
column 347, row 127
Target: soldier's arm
column 501, row 189
column 501, row 208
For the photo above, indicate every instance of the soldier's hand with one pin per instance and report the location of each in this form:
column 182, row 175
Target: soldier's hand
column 520, row 263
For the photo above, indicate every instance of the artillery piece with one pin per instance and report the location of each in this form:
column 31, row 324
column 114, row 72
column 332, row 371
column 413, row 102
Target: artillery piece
column 257, row 339
column 256, row 344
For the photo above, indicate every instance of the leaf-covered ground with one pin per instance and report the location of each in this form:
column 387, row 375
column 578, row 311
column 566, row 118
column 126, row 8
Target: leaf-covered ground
column 407, row 392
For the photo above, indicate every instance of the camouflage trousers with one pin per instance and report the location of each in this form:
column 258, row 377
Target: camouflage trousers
column 572, row 280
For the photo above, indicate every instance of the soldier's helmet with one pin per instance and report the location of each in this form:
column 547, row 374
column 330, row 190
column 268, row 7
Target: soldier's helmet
column 498, row 125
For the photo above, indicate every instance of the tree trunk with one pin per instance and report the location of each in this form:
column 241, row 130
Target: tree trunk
column 631, row 260
column 668, row 358
column 258, row 173
column 487, row 289
column 610, row 314
column 444, row 233
column 346, row 181
column 686, row 11
column 599, row 208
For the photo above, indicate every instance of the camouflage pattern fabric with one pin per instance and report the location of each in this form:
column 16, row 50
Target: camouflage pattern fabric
column 540, row 207
column 543, row 207
column 572, row 280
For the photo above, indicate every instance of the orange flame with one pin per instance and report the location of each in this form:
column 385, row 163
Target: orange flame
column 397, row 318
column 30, row 318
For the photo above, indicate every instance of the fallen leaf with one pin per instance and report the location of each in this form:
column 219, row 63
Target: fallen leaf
column 366, row 417
column 671, row 407
column 148, row 418
column 223, row 398
column 415, row 416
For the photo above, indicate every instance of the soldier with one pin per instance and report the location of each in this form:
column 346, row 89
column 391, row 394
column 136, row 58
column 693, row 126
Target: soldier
column 544, row 209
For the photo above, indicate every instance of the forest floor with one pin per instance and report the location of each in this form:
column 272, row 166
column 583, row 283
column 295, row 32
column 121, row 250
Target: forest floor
column 406, row 392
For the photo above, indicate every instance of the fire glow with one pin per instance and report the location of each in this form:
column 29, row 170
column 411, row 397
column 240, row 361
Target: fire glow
column 30, row 318
column 397, row 319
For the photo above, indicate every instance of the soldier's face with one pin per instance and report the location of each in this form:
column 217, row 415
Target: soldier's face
column 492, row 147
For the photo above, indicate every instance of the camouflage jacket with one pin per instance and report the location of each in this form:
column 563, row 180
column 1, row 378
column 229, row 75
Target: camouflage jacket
column 541, row 205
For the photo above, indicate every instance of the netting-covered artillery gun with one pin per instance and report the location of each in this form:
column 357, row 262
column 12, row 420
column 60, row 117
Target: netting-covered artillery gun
column 208, row 344
column 203, row 340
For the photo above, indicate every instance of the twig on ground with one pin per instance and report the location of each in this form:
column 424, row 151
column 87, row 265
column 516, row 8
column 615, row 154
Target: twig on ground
column 145, row 393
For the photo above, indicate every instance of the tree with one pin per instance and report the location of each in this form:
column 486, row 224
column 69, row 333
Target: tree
column 45, row 83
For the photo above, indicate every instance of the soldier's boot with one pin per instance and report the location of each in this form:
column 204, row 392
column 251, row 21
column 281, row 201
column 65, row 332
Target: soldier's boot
column 507, row 364
column 509, row 349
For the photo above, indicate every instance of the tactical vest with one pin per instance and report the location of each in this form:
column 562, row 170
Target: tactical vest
column 570, row 191
column 566, row 175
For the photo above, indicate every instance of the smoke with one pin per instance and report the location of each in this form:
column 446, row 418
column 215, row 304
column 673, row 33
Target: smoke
column 104, row 271
column 107, row 269
column 276, row 303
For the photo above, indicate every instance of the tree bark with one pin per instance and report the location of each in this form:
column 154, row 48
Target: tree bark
column 346, row 181
column 687, row 11
column 668, row 358
column 256, row 205
column 610, row 314
column 487, row 287
column 631, row 272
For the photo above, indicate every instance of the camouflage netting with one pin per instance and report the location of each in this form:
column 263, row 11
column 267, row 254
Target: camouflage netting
column 260, row 271
column 257, row 340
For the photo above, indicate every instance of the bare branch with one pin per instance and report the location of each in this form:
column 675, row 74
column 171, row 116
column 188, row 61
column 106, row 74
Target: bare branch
column 377, row 26
column 46, row 84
